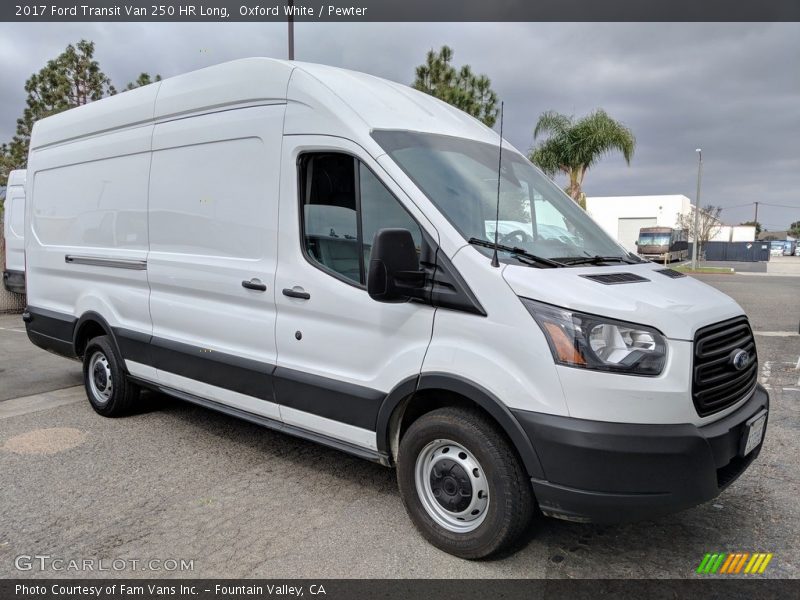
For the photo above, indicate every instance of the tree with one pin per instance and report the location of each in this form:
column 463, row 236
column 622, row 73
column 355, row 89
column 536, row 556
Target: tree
column 573, row 146
column 73, row 78
column 755, row 224
column 142, row 80
column 794, row 229
column 462, row 88
column 708, row 225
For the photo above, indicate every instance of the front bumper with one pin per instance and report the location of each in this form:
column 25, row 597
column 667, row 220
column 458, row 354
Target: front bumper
column 618, row 472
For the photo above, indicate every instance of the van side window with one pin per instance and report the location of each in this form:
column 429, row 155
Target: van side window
column 343, row 205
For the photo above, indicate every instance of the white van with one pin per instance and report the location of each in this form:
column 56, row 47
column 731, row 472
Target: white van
column 14, row 233
column 306, row 247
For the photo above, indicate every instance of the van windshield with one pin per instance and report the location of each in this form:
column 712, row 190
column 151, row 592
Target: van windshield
column 654, row 239
column 460, row 177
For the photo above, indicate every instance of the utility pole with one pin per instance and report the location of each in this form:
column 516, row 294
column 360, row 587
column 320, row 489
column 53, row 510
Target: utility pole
column 291, row 29
column 755, row 219
column 696, row 244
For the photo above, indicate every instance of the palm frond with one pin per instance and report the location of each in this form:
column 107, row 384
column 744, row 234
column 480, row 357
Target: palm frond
column 553, row 123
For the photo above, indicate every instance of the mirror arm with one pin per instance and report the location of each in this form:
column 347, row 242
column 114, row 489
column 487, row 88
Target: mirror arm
column 410, row 279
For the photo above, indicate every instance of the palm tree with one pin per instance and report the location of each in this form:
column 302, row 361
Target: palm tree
column 572, row 146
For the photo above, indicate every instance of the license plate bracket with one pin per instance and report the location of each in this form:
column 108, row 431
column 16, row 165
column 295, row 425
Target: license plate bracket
column 753, row 433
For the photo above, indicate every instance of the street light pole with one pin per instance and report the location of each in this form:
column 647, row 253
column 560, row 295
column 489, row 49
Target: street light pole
column 696, row 244
column 291, row 29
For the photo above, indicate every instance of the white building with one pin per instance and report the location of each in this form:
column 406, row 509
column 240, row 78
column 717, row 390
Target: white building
column 734, row 233
column 623, row 216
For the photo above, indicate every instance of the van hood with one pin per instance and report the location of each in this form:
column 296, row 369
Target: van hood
column 677, row 307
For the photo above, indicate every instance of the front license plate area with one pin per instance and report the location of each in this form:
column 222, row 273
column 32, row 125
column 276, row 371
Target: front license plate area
column 754, row 432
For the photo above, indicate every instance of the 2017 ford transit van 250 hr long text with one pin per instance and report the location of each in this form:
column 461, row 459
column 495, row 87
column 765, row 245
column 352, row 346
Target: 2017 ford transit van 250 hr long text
column 310, row 248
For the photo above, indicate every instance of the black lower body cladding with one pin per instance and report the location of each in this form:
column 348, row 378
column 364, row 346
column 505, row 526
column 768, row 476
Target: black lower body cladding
column 617, row 472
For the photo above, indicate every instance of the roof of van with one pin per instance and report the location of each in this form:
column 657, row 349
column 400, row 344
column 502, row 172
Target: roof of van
column 16, row 177
column 374, row 103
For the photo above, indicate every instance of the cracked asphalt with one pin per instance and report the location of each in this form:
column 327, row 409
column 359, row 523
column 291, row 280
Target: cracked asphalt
column 178, row 482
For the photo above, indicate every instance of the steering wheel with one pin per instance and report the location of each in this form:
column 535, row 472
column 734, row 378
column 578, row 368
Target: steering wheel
column 518, row 236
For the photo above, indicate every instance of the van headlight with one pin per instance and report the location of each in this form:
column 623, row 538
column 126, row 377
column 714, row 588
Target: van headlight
column 591, row 342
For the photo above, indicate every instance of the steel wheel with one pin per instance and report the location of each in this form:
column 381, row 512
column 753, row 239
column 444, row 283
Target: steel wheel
column 452, row 486
column 101, row 381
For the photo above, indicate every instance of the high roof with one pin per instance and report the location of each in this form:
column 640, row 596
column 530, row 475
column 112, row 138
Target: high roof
column 17, row 177
column 359, row 102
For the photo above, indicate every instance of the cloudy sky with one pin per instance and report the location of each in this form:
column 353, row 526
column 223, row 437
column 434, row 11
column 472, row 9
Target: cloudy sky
column 731, row 89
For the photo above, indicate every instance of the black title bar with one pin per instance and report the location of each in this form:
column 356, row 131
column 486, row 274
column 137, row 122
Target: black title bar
column 400, row 11
column 397, row 589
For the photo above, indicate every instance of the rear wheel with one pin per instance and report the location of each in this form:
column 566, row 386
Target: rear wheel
column 462, row 483
column 110, row 392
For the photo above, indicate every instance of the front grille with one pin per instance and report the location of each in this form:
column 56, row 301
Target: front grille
column 716, row 383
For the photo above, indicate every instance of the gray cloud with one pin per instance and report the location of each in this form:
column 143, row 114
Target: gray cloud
column 732, row 89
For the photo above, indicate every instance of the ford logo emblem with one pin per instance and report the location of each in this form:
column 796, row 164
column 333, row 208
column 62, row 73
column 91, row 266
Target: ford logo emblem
column 740, row 359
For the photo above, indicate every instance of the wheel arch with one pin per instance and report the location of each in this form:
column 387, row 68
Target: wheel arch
column 90, row 325
column 459, row 391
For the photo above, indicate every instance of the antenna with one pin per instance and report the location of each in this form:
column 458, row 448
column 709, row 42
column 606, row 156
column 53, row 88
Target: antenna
column 495, row 262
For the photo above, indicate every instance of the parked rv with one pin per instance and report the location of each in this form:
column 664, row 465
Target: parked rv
column 14, row 232
column 663, row 244
column 313, row 249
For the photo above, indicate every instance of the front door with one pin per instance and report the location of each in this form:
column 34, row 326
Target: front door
column 339, row 351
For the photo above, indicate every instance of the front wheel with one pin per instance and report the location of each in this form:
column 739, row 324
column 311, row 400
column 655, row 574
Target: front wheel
column 110, row 392
column 462, row 483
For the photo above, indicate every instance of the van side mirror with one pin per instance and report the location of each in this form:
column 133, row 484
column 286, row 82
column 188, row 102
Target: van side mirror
column 394, row 273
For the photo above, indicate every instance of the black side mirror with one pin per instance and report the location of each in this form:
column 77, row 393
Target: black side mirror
column 394, row 273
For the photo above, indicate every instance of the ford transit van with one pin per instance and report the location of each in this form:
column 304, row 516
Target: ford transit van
column 312, row 249
column 14, row 232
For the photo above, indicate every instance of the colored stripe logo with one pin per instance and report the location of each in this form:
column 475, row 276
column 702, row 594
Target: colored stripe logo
column 734, row 563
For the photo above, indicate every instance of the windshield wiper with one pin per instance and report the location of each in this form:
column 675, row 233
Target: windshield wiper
column 596, row 260
column 519, row 253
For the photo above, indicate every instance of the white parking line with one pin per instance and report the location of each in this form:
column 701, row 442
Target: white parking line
column 37, row 402
column 10, row 329
column 777, row 333
column 766, row 371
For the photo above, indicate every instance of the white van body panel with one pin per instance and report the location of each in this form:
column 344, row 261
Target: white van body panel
column 676, row 307
column 505, row 352
column 14, row 221
column 372, row 102
column 210, row 233
column 130, row 109
column 90, row 204
column 250, row 81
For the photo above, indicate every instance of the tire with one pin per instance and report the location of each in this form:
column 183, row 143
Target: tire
column 110, row 392
column 442, row 448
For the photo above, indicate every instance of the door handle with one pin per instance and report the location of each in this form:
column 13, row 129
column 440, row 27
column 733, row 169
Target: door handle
column 255, row 284
column 292, row 293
